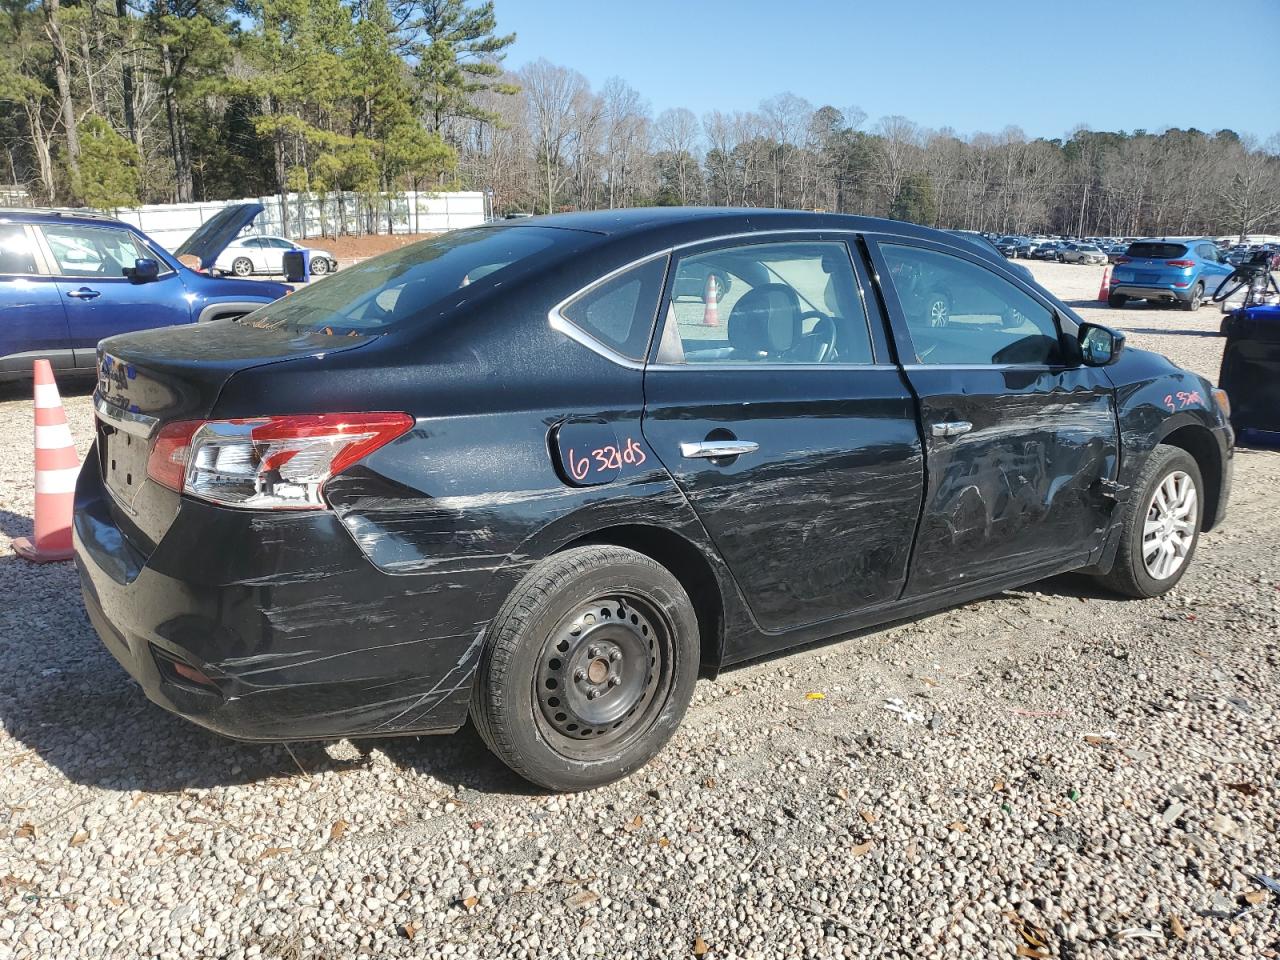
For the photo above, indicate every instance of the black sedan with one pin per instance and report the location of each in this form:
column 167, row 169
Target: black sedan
column 546, row 473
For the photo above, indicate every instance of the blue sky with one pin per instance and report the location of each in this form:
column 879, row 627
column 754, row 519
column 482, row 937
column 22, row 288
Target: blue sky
column 1043, row 65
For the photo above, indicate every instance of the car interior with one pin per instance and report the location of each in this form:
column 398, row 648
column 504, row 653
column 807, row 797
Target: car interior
column 775, row 303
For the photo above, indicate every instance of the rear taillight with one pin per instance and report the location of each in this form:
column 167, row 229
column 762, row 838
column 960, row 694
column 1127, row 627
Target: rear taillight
column 1180, row 263
column 268, row 463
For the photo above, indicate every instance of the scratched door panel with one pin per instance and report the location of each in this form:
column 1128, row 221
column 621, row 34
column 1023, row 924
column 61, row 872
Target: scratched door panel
column 816, row 523
column 1019, row 490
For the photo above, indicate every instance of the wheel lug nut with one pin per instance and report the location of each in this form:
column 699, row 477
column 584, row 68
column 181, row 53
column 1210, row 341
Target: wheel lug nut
column 614, row 681
column 592, row 694
column 593, row 652
column 615, row 656
column 580, row 675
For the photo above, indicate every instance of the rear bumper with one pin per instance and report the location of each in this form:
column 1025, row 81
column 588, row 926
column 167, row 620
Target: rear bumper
column 300, row 636
column 1149, row 291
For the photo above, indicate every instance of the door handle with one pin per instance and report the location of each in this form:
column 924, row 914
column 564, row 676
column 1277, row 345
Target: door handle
column 714, row 449
column 84, row 293
column 951, row 428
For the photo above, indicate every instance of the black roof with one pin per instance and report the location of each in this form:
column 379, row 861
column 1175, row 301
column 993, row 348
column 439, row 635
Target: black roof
column 636, row 219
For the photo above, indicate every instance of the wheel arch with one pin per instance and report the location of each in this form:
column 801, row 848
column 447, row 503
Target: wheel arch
column 688, row 564
column 1199, row 441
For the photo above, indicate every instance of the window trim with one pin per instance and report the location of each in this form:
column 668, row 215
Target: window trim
column 562, row 324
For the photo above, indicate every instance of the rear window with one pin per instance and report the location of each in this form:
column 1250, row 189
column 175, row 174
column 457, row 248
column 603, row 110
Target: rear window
column 1156, row 250
column 402, row 285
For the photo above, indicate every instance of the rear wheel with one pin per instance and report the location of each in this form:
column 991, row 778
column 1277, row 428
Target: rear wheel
column 242, row 266
column 588, row 668
column 1196, row 298
column 1161, row 525
column 1117, row 300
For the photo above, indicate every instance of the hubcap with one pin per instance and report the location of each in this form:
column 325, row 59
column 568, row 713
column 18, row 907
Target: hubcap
column 601, row 670
column 1170, row 526
column 939, row 312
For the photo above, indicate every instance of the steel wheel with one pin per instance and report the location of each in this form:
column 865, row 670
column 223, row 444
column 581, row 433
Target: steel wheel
column 1170, row 527
column 602, row 672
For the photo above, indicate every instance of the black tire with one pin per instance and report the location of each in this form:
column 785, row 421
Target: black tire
column 1117, row 300
column 1196, row 298
column 242, row 266
column 1130, row 575
column 549, row 668
column 319, row 267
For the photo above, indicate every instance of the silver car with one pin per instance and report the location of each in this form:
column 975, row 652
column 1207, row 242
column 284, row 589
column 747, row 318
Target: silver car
column 1081, row 253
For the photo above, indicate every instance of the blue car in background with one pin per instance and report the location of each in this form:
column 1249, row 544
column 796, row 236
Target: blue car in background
column 1185, row 272
column 67, row 280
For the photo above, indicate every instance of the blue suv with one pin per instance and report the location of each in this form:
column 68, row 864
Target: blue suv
column 67, row 280
column 1178, row 271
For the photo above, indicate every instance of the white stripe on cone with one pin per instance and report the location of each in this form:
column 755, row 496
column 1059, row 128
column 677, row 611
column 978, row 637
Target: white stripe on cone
column 57, row 481
column 53, row 437
column 47, row 395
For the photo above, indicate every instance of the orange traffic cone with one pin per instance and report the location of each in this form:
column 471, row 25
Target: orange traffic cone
column 57, row 466
column 711, row 297
column 1104, row 291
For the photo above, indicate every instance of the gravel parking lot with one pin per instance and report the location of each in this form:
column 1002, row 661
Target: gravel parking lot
column 1052, row 772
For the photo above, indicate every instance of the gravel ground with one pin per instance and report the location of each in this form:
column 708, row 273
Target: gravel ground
column 1052, row 772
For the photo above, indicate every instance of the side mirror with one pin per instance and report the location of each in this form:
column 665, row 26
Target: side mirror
column 1100, row 346
column 144, row 269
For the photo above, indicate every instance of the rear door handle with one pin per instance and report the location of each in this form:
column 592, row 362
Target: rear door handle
column 714, row 449
column 84, row 293
column 951, row 428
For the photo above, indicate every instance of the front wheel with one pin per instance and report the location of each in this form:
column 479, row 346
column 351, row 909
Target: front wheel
column 1161, row 525
column 939, row 309
column 319, row 267
column 588, row 668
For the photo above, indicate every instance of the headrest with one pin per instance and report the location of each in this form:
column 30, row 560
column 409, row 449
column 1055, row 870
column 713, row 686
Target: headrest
column 765, row 321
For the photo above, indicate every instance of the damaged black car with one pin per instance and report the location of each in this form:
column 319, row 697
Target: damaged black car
column 546, row 473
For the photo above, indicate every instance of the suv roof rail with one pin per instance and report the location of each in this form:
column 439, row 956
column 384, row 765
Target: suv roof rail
column 55, row 212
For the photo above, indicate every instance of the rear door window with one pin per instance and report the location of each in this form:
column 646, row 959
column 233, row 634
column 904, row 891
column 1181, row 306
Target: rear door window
column 774, row 303
column 17, row 258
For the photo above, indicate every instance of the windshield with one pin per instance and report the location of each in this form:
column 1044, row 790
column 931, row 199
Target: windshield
column 1157, row 251
column 402, row 284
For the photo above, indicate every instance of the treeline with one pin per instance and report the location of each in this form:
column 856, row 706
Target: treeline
column 117, row 102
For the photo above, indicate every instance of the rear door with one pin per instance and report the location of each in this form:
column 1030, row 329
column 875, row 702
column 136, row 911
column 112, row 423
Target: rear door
column 774, row 406
column 32, row 320
column 1018, row 435
column 1215, row 268
column 100, row 301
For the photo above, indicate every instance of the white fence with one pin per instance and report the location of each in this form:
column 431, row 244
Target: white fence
column 314, row 215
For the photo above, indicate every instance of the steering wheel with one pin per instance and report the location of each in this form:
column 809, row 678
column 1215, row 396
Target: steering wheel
column 818, row 344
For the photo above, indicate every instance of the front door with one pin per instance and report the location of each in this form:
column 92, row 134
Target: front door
column 780, row 418
column 1019, row 436
column 99, row 299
